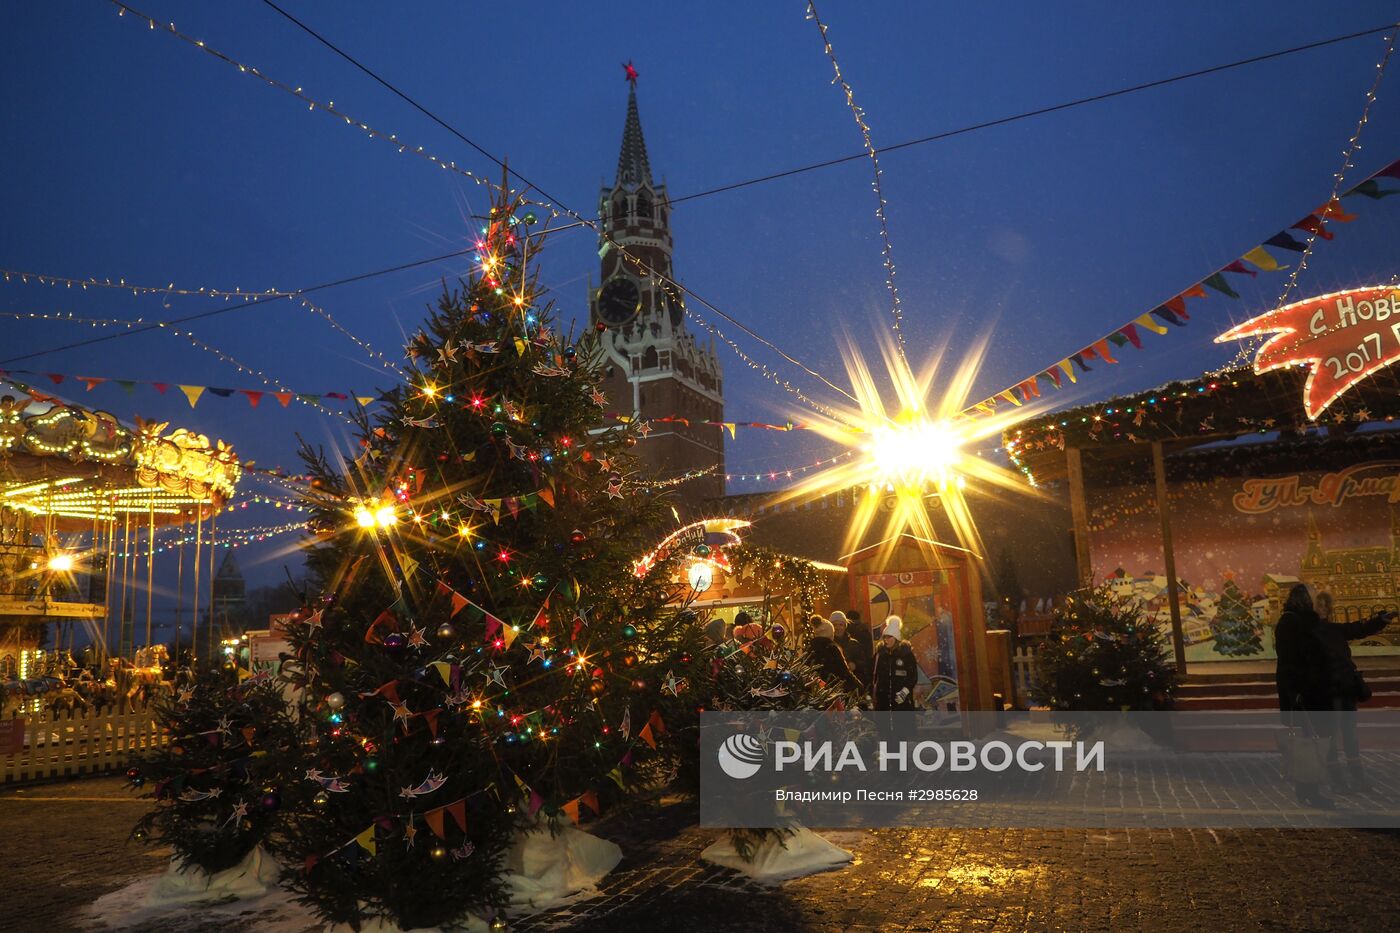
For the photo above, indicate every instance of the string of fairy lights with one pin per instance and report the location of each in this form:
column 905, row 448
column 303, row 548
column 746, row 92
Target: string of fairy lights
column 857, row 112
column 25, row 277
column 1248, row 347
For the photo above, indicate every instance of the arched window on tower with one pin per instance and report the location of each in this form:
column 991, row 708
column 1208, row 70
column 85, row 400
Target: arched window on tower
column 644, row 208
column 619, row 210
column 649, row 358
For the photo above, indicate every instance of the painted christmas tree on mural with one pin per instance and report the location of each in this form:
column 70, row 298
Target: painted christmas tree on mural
column 1236, row 632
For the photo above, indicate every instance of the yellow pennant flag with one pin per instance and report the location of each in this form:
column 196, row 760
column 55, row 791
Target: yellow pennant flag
column 616, row 775
column 1146, row 321
column 519, row 346
column 1069, row 370
column 1011, row 397
column 192, row 393
column 365, row 840
column 444, row 670
column 729, row 426
column 509, row 633
column 364, row 399
column 1260, row 257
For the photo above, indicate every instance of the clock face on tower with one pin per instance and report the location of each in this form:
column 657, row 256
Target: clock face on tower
column 619, row 300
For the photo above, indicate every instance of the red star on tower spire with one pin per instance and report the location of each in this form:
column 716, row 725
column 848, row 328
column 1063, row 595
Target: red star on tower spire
column 631, row 73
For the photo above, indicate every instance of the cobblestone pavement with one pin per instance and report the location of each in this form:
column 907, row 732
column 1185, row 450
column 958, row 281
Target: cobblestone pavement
column 63, row 846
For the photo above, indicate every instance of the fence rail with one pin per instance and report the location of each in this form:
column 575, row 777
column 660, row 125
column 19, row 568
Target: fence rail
column 67, row 744
column 1023, row 674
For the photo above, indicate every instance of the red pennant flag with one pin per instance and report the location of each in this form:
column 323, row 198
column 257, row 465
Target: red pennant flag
column 1054, row 375
column 655, row 722
column 254, row 396
column 386, row 618
column 1313, row 224
column 1195, row 291
column 1241, row 268
column 1333, row 211
column 161, row 386
column 1130, row 331
column 431, row 716
column 459, row 602
column 389, row 691
column 590, row 800
column 91, row 381
column 284, row 397
column 55, row 378
column 536, row 801
column 248, row 733
column 443, row 589
column 458, row 811
column 310, row 863
column 493, row 625
column 571, row 810
column 646, row 736
column 1178, row 307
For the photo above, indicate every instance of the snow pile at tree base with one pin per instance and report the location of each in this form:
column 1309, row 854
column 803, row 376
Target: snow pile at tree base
column 251, row 878
column 780, row 859
column 544, row 870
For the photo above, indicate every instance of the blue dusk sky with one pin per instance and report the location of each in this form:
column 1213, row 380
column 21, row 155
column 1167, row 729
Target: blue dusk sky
column 127, row 153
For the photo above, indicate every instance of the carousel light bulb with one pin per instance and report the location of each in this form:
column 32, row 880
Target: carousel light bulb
column 386, row 516
column 61, row 563
column 364, row 517
column 913, row 451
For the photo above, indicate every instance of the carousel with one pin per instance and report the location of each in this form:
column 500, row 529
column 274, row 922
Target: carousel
column 82, row 498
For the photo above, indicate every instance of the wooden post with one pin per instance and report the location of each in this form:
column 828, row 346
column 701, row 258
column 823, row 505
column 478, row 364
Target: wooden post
column 1159, row 471
column 1079, row 514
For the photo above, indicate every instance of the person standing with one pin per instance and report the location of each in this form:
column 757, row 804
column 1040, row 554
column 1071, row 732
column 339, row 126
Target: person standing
column 863, row 655
column 850, row 648
column 1304, row 679
column 828, row 658
column 1348, row 688
column 895, row 671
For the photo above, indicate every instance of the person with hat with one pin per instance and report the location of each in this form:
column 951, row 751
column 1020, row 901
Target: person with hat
column 828, row 658
column 859, row 652
column 895, row 670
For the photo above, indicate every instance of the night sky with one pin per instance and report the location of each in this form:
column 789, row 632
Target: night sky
column 127, row 153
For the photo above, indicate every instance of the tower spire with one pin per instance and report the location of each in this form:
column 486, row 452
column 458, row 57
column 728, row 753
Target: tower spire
column 633, row 167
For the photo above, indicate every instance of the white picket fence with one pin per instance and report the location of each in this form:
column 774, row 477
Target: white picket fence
column 1023, row 673
column 67, row 744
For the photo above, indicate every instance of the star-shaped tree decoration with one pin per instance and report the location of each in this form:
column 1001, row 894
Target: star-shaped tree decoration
column 402, row 713
column 517, row 451
column 598, row 397
column 186, row 694
column 416, row 638
column 225, row 725
column 644, row 428
column 496, row 675
column 447, row 353
column 463, row 851
column 313, row 774
column 605, row 465
column 671, row 685
column 409, row 831
column 614, row 490
column 537, row 650
column 240, row 810
column 1363, row 414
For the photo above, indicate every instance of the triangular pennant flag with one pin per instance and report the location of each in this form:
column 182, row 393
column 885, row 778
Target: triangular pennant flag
column 1078, row 359
column 729, row 426
column 248, row 733
column 161, row 386
column 1118, row 339
column 536, row 801
column 309, row 398
column 509, row 634
column 616, row 775
column 459, row 602
column 1332, row 210
column 444, row 670
column 571, row 810
column 1285, row 240
column 1314, row 224
column 254, row 396
column 284, row 397
column 364, row 400
column 128, row 385
column 1147, row 322
column 192, row 393
column 91, row 381
column 1390, row 171
column 546, row 495
column 646, row 736
column 1166, row 315
column 365, row 840
column 1242, row 269
column 520, row 346
column 656, row 722
column 1011, row 397
column 1101, row 348
column 221, row 393
column 457, row 809
column 1177, row 306
column 1054, row 375
column 1068, row 370
column 56, row 378
column 1217, row 282
column 434, row 820
column 1373, row 190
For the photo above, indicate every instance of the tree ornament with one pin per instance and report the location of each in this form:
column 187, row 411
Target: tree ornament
column 570, row 353
column 779, row 631
column 271, row 800
column 499, row 429
column 577, row 537
column 140, row 835
column 447, row 631
column 600, row 327
column 133, row 773
column 335, row 700
column 539, row 580
column 438, row 853
column 702, row 550
column 321, row 799
column 499, row 924
column 395, row 642
column 629, row 441
column 629, row 631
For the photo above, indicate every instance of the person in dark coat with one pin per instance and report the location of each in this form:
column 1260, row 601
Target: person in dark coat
column 1304, row 678
column 1348, row 688
column 895, row 671
column 859, row 656
column 863, row 656
column 826, row 655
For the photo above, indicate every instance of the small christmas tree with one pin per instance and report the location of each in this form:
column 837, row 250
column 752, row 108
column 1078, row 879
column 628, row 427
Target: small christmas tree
column 222, row 783
column 487, row 657
column 1236, row 632
column 1102, row 654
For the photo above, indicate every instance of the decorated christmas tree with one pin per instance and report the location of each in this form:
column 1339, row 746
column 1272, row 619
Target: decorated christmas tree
column 1102, row 654
column 1236, row 632
column 486, row 658
column 223, row 783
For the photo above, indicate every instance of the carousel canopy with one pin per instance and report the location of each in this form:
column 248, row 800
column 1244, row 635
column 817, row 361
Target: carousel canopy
column 76, row 467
